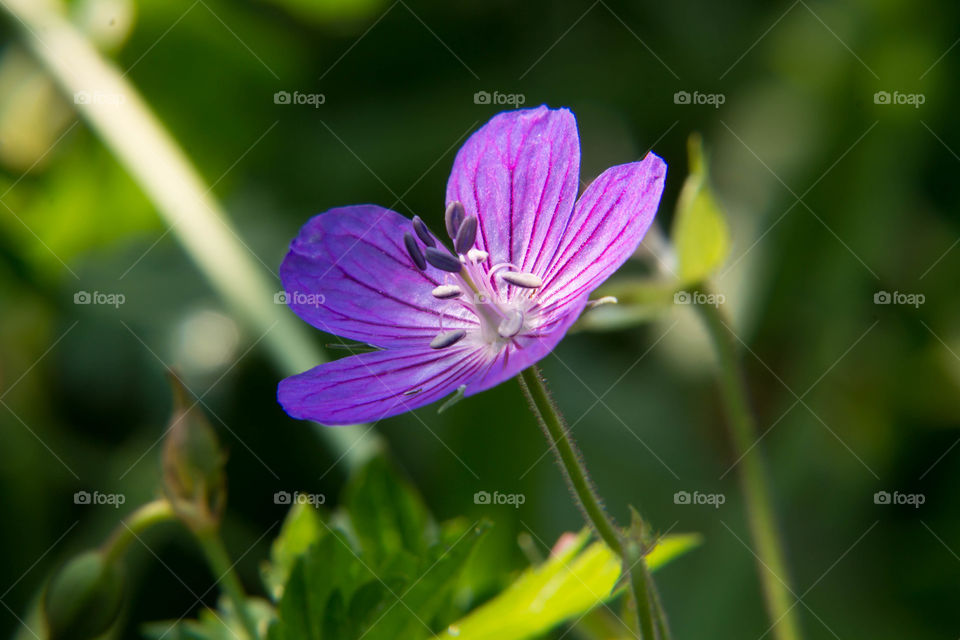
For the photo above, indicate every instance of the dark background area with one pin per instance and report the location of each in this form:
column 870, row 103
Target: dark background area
column 831, row 198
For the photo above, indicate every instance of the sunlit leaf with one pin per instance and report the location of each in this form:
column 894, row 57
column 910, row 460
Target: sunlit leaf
column 566, row 586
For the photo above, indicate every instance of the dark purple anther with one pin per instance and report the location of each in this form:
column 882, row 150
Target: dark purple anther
column 415, row 254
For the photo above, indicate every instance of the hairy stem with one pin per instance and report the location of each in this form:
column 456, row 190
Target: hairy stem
column 753, row 478
column 575, row 473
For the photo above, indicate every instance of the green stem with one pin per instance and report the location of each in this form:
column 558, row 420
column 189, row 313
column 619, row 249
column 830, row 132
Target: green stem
column 753, row 478
column 140, row 520
column 226, row 576
column 138, row 139
column 641, row 586
column 575, row 473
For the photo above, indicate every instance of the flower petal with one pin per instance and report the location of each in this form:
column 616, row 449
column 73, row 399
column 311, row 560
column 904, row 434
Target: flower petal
column 519, row 175
column 368, row 387
column 348, row 273
column 608, row 222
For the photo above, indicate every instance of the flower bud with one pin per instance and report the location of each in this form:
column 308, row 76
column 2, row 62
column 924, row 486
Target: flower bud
column 84, row 598
column 193, row 476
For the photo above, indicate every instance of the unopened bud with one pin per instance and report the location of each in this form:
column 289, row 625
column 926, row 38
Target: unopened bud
column 193, row 476
column 84, row 598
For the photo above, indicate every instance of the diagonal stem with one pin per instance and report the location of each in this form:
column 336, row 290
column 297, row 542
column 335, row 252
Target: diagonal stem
column 138, row 139
column 555, row 429
column 753, row 478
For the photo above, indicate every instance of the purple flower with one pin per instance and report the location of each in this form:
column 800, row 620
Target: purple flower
column 524, row 254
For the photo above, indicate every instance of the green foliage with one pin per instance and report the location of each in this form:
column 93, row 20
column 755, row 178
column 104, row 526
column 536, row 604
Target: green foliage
column 222, row 624
column 570, row 583
column 392, row 573
column 699, row 233
column 380, row 568
column 301, row 529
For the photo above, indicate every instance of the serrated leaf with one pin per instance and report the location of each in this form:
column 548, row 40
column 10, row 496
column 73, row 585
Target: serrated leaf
column 329, row 565
column 386, row 514
column 700, row 235
column 430, row 590
column 566, row 586
column 301, row 528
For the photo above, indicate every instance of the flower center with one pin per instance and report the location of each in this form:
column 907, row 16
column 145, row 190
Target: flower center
column 502, row 297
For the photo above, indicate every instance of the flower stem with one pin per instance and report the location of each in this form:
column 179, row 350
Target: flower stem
column 753, row 478
column 575, row 473
column 643, row 591
column 140, row 520
column 223, row 571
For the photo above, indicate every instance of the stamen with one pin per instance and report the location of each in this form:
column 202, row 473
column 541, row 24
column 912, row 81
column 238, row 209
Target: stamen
column 511, row 325
column 477, row 256
column 423, row 232
column 442, row 260
column 593, row 304
column 521, row 279
column 447, row 291
column 454, row 218
column 447, row 338
column 466, row 235
column 415, row 254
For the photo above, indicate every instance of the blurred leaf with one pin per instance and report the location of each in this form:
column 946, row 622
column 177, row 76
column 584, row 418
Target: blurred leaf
column 220, row 625
column 567, row 585
column 700, row 233
column 639, row 300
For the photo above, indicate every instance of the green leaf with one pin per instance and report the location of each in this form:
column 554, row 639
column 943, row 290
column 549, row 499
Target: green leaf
column 301, row 528
column 566, row 586
column 386, row 514
column 700, row 233
column 393, row 575
column 431, row 587
column 329, row 566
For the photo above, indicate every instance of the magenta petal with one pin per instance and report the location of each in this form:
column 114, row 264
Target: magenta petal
column 371, row 386
column 608, row 222
column 519, row 175
column 348, row 273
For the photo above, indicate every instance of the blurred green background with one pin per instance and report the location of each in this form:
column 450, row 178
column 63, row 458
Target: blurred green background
column 833, row 195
